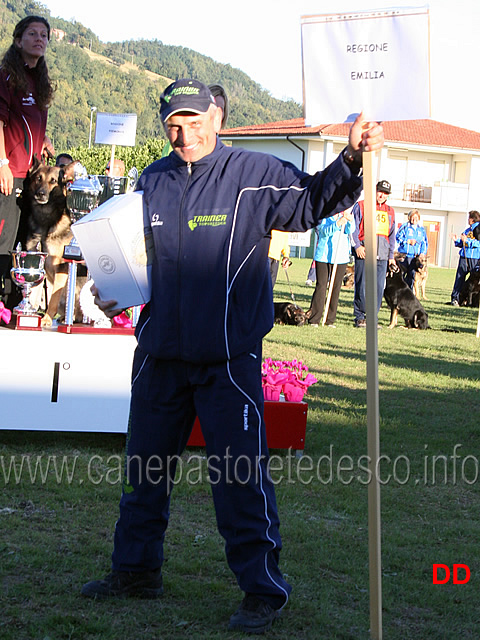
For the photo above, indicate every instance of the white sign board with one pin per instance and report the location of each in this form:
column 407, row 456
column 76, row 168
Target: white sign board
column 375, row 61
column 116, row 128
column 298, row 239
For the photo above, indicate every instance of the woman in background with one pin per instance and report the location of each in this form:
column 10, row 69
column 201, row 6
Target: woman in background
column 25, row 94
column 412, row 241
column 333, row 247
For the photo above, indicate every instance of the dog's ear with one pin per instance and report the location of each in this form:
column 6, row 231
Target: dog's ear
column 291, row 313
column 35, row 164
column 420, row 320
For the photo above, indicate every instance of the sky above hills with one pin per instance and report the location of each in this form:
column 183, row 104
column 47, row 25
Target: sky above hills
column 263, row 39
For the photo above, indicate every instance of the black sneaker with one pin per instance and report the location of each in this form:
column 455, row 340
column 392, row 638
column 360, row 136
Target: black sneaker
column 360, row 323
column 126, row 584
column 254, row 615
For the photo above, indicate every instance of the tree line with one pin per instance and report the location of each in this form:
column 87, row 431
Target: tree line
column 129, row 78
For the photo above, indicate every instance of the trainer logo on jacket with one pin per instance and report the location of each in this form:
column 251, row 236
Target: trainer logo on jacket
column 216, row 220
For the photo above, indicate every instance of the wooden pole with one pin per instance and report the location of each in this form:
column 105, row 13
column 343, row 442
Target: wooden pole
column 373, row 422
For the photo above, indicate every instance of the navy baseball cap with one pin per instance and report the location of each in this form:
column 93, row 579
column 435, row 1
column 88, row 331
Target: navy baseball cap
column 185, row 95
column 384, row 186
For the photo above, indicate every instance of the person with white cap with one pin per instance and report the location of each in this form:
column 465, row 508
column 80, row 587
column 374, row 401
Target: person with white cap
column 211, row 210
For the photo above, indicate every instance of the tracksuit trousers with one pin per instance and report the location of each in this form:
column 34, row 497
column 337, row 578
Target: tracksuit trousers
column 323, row 276
column 359, row 308
column 409, row 275
column 228, row 399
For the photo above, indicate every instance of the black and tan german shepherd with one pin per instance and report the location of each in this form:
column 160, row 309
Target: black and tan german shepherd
column 401, row 300
column 47, row 223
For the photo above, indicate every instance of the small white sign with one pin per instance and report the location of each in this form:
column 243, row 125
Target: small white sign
column 298, row 239
column 375, row 61
column 116, row 128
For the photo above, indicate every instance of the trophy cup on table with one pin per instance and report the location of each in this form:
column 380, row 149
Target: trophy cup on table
column 82, row 198
column 28, row 270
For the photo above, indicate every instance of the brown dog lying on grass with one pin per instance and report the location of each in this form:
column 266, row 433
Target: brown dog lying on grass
column 289, row 313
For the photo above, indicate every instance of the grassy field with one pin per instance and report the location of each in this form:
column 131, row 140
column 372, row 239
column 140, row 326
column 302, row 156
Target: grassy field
column 57, row 532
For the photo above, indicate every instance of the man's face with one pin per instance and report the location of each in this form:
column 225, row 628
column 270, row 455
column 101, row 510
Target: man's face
column 193, row 136
column 381, row 197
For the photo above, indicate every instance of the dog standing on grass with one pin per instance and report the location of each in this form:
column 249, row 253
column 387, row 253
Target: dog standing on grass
column 421, row 275
column 47, row 223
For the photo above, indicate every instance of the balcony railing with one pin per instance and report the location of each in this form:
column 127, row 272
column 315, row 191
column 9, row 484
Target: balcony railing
column 417, row 193
column 442, row 195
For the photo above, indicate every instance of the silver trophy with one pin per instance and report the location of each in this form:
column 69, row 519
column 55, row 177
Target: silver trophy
column 28, row 270
column 83, row 193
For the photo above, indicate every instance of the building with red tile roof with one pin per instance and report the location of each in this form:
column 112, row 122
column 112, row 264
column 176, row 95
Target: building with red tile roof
column 433, row 167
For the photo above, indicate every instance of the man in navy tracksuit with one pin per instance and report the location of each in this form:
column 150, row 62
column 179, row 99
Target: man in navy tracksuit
column 211, row 210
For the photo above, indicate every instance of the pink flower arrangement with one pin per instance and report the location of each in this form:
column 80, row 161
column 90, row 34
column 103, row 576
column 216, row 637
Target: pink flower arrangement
column 124, row 319
column 5, row 314
column 290, row 377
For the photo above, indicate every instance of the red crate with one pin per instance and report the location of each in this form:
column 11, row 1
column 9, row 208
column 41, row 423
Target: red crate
column 286, row 424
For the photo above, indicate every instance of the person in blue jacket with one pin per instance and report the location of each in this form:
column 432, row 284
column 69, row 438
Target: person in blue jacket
column 210, row 210
column 412, row 241
column 333, row 248
column 469, row 256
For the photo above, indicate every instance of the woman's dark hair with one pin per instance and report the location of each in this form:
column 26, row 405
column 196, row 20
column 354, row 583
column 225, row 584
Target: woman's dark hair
column 14, row 65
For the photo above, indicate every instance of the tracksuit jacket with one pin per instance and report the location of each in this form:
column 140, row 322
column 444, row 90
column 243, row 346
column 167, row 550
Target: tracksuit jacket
column 25, row 124
column 412, row 232
column 385, row 229
column 211, row 224
column 333, row 242
column 471, row 247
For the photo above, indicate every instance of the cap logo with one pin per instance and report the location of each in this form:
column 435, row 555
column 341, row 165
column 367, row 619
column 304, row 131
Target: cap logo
column 182, row 91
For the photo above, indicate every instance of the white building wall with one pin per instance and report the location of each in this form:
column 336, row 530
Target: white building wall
column 279, row 148
column 319, row 153
column 474, row 191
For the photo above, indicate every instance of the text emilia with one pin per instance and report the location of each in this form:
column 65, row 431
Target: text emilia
column 367, row 48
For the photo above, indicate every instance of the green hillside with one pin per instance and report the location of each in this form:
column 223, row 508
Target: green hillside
column 128, row 77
